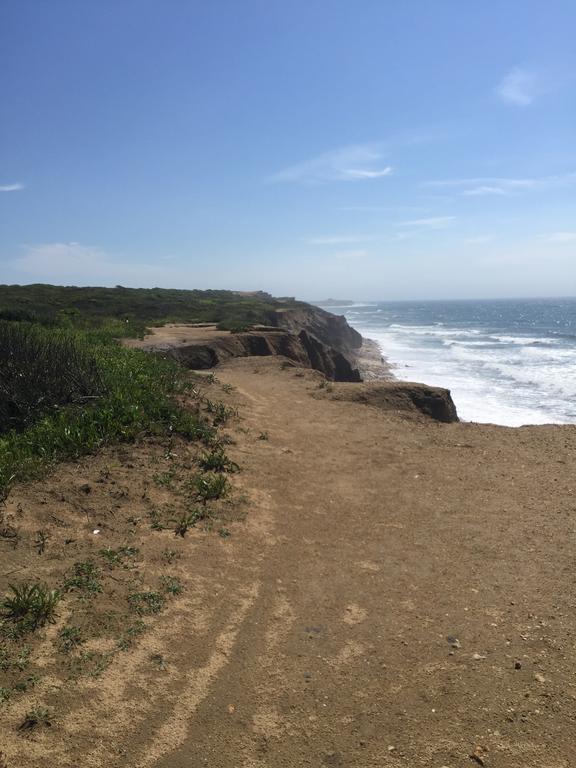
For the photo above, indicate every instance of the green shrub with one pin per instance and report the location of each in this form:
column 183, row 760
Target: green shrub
column 42, row 369
column 69, row 638
column 210, row 486
column 85, row 577
column 30, row 605
column 146, row 603
column 217, row 461
column 172, row 585
column 138, row 398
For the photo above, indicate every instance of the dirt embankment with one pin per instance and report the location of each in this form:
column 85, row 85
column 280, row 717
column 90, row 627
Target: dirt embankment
column 401, row 594
column 200, row 348
column 309, row 336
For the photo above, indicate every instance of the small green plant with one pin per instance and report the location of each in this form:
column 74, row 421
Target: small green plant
column 20, row 663
column 224, row 533
column 127, row 639
column 172, row 585
column 5, row 694
column 22, row 685
column 116, row 557
column 158, row 660
column 31, row 605
column 169, row 555
column 85, row 577
column 40, row 541
column 184, row 523
column 228, row 388
column 217, row 461
column 220, row 412
column 210, row 486
column 155, row 521
column 165, row 479
column 34, row 718
column 90, row 663
column 69, row 638
column 146, row 603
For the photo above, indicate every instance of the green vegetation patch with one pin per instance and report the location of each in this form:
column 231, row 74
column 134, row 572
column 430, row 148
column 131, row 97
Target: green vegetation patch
column 146, row 603
column 85, row 578
column 29, row 606
column 122, row 393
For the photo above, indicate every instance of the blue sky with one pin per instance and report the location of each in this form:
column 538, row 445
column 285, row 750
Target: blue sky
column 370, row 149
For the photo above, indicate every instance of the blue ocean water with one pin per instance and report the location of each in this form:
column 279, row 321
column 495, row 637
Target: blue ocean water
column 509, row 362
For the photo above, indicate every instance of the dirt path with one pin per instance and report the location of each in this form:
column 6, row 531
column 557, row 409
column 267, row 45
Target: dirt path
column 402, row 593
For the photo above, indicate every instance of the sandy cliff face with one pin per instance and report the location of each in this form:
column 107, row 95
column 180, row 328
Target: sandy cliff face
column 303, row 349
column 309, row 336
column 331, row 330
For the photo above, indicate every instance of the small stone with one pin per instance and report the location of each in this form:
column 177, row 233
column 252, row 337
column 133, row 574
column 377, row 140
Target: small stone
column 539, row 678
column 477, row 657
column 517, row 665
column 85, row 488
column 454, row 642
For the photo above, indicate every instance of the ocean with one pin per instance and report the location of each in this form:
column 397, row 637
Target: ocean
column 510, row 362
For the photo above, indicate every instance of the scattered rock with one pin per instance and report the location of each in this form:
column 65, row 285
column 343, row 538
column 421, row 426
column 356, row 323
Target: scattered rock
column 539, row 677
column 479, row 755
column 454, row 642
column 517, row 665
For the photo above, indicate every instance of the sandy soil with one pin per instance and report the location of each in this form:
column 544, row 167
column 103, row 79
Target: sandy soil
column 401, row 593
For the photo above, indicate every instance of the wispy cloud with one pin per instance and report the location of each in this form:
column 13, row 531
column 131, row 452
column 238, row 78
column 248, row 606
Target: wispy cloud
column 11, row 187
column 434, row 222
column 519, row 87
column 352, row 254
column 479, row 239
column 353, row 163
column 76, row 264
column 484, row 190
column 338, row 240
column 495, row 185
column 560, row 237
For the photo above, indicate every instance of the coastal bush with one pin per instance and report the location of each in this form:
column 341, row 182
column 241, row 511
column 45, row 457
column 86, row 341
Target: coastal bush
column 132, row 393
column 130, row 310
column 210, row 486
column 217, row 461
column 41, row 370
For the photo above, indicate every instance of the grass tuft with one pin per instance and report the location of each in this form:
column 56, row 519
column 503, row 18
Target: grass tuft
column 30, row 606
column 146, row 603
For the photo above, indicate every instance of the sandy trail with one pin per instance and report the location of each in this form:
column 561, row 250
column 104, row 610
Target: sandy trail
column 386, row 537
column 401, row 593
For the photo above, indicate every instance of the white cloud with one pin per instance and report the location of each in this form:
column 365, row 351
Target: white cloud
column 434, row 222
column 560, row 237
column 484, row 190
column 352, row 254
column 497, row 185
column 353, row 163
column 355, row 173
column 338, row 240
column 479, row 239
column 518, row 87
column 11, row 187
column 76, row 264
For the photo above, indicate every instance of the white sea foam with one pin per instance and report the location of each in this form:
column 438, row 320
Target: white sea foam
column 502, row 378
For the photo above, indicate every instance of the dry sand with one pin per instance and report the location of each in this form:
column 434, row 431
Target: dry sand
column 402, row 593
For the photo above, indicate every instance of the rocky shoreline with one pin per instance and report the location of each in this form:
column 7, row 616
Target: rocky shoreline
column 371, row 363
